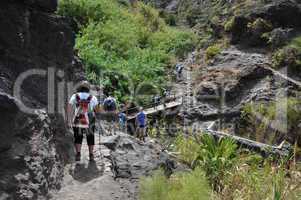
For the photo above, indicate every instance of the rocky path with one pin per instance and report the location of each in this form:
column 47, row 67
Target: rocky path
column 184, row 87
column 91, row 180
column 120, row 161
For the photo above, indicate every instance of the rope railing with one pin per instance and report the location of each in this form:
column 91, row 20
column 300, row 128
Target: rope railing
column 167, row 99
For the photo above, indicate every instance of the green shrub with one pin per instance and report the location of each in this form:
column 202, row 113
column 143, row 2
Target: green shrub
column 267, row 182
column 260, row 25
column 122, row 48
column 285, row 57
column 84, row 11
column 186, row 185
column 188, row 148
column 212, row 51
column 229, row 25
column 262, row 119
column 289, row 56
column 216, row 158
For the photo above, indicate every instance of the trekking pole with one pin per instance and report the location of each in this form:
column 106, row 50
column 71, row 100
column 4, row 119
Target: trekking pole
column 99, row 143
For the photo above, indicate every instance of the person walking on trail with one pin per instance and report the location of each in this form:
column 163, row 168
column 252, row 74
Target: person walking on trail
column 166, row 94
column 109, row 104
column 81, row 118
column 111, row 115
column 141, row 122
column 179, row 70
column 156, row 100
column 122, row 118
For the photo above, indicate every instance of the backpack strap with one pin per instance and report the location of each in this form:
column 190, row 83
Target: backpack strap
column 77, row 100
column 89, row 98
column 77, row 97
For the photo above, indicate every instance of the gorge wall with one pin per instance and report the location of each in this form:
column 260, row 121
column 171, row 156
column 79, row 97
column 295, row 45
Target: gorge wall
column 35, row 146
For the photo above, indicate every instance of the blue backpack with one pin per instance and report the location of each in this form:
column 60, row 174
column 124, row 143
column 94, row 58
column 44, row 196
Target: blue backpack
column 109, row 104
column 141, row 119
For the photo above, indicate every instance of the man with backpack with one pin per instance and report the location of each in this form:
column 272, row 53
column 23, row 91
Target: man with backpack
column 141, row 122
column 179, row 70
column 111, row 115
column 156, row 100
column 109, row 104
column 122, row 118
column 81, row 117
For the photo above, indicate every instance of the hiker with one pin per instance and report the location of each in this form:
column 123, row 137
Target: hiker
column 179, row 70
column 111, row 115
column 156, row 100
column 109, row 104
column 166, row 94
column 141, row 122
column 122, row 118
column 81, row 117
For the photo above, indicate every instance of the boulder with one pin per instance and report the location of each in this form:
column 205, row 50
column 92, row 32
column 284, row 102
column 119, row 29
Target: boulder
column 279, row 36
column 31, row 164
column 134, row 159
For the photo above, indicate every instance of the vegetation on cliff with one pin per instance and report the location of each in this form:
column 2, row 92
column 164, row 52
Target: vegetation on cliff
column 124, row 46
column 265, row 121
column 231, row 172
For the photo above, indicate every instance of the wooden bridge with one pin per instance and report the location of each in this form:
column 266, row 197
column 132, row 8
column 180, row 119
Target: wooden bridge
column 159, row 108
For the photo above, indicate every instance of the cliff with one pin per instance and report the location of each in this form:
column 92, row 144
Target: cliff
column 36, row 54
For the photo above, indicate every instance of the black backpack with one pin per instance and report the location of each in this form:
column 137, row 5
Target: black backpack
column 109, row 104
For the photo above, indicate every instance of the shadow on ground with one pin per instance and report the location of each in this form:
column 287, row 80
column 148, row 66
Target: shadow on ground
column 84, row 173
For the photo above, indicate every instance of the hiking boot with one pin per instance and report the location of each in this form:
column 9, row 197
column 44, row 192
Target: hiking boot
column 77, row 157
column 91, row 156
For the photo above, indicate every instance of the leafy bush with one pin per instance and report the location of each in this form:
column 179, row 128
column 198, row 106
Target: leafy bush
column 260, row 25
column 84, row 11
column 215, row 157
column 267, row 182
column 262, row 120
column 289, row 56
column 229, row 25
column 124, row 48
column 212, row 51
column 188, row 186
column 285, row 57
column 188, row 148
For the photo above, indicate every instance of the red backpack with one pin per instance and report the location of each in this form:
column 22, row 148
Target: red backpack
column 82, row 111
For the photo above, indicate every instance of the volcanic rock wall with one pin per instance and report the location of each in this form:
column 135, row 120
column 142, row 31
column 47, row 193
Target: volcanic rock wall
column 38, row 45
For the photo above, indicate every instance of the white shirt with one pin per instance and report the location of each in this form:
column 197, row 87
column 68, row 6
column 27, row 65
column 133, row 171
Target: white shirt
column 83, row 95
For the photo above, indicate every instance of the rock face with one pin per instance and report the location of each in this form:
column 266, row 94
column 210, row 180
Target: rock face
column 222, row 87
column 277, row 14
column 133, row 159
column 33, row 147
column 44, row 5
column 30, row 164
column 231, row 79
column 284, row 13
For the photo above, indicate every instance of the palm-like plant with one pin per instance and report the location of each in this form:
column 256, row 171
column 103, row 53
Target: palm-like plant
column 216, row 157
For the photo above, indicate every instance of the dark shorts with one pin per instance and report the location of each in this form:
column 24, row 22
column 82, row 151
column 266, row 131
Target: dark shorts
column 142, row 126
column 79, row 135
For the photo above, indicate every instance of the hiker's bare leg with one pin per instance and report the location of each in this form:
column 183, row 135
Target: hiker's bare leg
column 91, row 149
column 78, row 148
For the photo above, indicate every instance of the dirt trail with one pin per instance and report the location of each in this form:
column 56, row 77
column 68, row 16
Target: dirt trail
column 92, row 180
column 120, row 161
column 184, row 87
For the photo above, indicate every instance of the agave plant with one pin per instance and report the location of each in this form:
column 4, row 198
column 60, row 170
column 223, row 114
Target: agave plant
column 216, row 157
